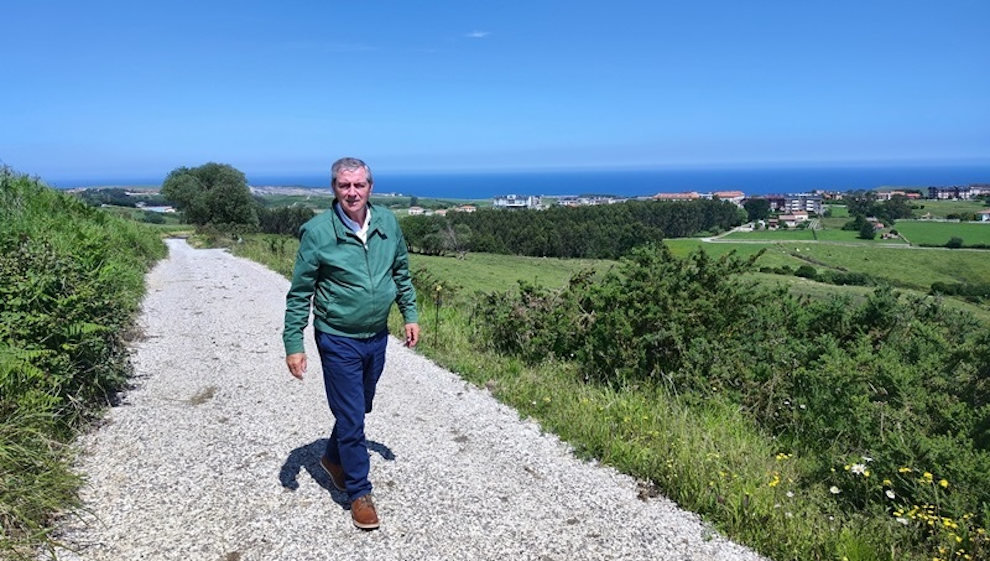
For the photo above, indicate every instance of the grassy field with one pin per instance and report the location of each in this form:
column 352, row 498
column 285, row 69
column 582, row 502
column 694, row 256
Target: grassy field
column 794, row 234
column 938, row 233
column 904, row 267
column 838, row 211
column 488, row 272
column 941, row 209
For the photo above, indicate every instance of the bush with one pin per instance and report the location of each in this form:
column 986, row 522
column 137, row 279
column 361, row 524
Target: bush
column 806, row 271
column 70, row 280
column 872, row 396
column 954, row 243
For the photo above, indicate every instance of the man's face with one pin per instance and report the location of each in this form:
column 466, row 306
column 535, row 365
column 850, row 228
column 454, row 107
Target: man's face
column 352, row 191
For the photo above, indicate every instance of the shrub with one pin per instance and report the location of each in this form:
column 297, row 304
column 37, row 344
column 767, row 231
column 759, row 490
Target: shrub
column 806, row 271
column 954, row 243
column 70, row 279
column 901, row 382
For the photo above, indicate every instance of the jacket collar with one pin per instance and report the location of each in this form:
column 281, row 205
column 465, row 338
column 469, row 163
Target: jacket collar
column 374, row 226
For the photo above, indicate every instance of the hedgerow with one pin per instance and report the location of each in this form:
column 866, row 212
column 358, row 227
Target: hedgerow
column 71, row 278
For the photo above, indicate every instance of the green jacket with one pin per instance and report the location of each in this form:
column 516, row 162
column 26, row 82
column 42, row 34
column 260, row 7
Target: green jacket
column 351, row 285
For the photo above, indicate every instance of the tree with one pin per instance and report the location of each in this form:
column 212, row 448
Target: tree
column 867, row 231
column 954, row 242
column 211, row 194
column 757, row 209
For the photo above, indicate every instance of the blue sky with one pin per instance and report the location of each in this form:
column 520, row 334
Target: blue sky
column 103, row 90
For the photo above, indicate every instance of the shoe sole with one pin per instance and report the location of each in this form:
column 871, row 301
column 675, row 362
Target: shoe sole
column 332, row 480
column 366, row 526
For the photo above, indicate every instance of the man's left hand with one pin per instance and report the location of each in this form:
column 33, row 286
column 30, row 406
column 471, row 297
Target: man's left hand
column 412, row 334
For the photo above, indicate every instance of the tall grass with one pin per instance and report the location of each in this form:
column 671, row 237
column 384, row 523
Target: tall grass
column 71, row 278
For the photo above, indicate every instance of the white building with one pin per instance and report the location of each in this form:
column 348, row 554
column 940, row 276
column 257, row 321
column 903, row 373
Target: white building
column 518, row 201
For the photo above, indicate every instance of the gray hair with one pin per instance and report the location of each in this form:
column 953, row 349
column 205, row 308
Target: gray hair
column 349, row 164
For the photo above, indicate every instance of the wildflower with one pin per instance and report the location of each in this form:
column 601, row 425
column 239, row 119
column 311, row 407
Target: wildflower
column 834, row 490
column 546, row 399
column 902, row 520
column 889, row 493
column 943, row 483
column 790, row 494
column 927, row 476
column 887, row 482
column 858, row 469
column 904, row 470
column 867, row 459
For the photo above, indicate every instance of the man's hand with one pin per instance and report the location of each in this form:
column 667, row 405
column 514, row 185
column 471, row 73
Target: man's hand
column 297, row 364
column 412, row 334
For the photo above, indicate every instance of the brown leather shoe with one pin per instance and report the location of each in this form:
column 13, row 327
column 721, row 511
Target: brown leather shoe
column 335, row 471
column 363, row 513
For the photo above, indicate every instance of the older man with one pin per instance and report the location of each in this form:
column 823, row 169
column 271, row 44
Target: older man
column 352, row 264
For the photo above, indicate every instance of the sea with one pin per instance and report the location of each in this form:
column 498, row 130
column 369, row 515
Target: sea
column 633, row 183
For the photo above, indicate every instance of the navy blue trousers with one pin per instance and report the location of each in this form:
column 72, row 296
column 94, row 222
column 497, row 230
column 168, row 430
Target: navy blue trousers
column 351, row 369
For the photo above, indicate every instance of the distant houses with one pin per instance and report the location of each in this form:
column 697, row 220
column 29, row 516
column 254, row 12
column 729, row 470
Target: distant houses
column 518, row 201
column 964, row 192
column 734, row 197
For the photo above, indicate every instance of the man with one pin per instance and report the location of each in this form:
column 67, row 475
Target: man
column 352, row 263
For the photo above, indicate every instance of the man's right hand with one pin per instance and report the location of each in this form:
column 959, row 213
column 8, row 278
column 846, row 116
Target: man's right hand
column 297, row 364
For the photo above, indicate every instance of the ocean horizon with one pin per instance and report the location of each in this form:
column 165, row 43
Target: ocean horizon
column 627, row 183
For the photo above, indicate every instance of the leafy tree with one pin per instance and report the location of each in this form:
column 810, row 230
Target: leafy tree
column 856, row 224
column 211, row 194
column 954, row 242
column 757, row 209
column 867, row 231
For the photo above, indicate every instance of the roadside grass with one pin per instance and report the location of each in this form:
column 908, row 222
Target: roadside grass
column 709, row 460
column 923, row 232
column 71, row 279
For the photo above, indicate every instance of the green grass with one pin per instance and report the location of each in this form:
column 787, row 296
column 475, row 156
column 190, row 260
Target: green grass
column 771, row 235
column 488, row 272
column 941, row 209
column 71, row 279
column 838, row 211
column 794, row 234
column 938, row 233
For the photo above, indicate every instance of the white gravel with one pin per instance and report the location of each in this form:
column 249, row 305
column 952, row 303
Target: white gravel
column 214, row 453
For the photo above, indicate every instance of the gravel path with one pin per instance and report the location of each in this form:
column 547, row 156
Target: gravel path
column 214, row 453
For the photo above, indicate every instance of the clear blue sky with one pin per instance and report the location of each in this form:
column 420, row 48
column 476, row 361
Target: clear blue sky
column 101, row 90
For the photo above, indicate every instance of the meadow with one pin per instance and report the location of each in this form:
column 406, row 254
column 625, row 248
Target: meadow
column 928, row 233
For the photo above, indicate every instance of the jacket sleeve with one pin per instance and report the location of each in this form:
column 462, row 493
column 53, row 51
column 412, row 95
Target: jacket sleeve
column 300, row 295
column 405, row 294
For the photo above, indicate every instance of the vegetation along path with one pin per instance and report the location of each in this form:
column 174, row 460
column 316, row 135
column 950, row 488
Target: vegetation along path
column 214, row 453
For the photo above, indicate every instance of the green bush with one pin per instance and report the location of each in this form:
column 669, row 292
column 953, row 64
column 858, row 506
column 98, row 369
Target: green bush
column 70, row 281
column 872, row 396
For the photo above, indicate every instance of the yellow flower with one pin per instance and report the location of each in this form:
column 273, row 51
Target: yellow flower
column 904, row 470
column 927, row 476
column 943, row 483
column 887, row 482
